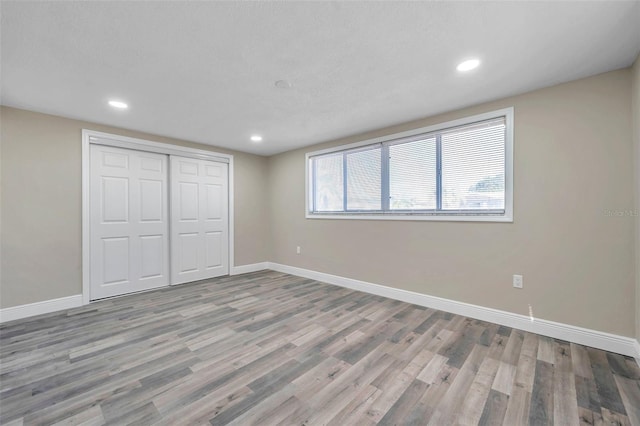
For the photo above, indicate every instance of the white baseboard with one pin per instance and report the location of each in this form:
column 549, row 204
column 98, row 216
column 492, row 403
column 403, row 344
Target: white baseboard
column 597, row 339
column 583, row 336
column 637, row 355
column 39, row 308
column 253, row 267
column 48, row 306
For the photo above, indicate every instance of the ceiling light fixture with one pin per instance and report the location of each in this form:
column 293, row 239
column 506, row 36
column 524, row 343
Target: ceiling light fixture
column 283, row 84
column 256, row 138
column 468, row 65
column 118, row 104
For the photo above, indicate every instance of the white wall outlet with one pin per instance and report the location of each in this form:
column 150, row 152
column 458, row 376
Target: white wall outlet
column 517, row 281
column 298, row 250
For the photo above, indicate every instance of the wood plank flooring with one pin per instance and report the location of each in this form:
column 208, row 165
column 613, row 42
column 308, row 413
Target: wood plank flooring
column 268, row 348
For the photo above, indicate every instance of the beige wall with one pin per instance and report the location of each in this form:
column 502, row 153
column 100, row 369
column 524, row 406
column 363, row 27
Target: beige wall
column 41, row 205
column 573, row 160
column 635, row 114
column 573, row 155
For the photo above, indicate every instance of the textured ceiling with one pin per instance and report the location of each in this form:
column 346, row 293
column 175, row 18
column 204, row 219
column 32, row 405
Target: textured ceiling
column 205, row 71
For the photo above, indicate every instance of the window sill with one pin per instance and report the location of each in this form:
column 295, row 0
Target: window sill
column 503, row 218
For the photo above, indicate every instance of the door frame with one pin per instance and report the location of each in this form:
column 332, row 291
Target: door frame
column 100, row 138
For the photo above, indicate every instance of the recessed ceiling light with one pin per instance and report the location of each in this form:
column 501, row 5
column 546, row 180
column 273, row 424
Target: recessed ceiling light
column 468, row 65
column 256, row 138
column 118, row 104
column 283, row 84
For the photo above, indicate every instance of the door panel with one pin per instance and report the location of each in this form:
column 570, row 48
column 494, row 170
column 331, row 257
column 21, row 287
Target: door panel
column 129, row 221
column 114, row 159
column 199, row 219
column 213, row 170
column 151, row 200
column 188, row 167
column 188, row 201
column 188, row 253
column 151, row 164
column 215, row 202
column 115, row 204
column 116, row 260
column 214, row 249
column 151, row 256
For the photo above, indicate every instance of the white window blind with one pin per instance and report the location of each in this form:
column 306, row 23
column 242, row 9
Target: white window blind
column 461, row 170
column 328, row 179
column 412, row 175
column 363, row 175
column 473, row 163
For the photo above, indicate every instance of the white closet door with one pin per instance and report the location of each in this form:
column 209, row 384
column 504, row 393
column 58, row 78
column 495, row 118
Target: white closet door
column 129, row 221
column 199, row 219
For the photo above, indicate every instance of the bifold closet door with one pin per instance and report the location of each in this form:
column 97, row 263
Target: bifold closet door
column 129, row 221
column 199, row 219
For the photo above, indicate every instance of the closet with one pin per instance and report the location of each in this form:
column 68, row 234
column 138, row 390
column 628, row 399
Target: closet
column 155, row 219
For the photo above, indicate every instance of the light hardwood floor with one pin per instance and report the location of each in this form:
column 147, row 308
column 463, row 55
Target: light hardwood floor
column 268, row 348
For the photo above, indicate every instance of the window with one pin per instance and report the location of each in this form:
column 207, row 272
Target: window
column 460, row 170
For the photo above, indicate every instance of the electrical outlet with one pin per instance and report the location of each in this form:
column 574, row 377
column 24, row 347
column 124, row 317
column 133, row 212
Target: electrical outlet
column 518, row 281
column 298, row 250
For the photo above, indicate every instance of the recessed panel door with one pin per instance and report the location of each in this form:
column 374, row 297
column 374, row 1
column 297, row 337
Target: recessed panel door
column 129, row 221
column 199, row 219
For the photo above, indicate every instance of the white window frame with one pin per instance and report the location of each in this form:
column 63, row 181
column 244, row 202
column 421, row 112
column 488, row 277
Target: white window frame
column 471, row 216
